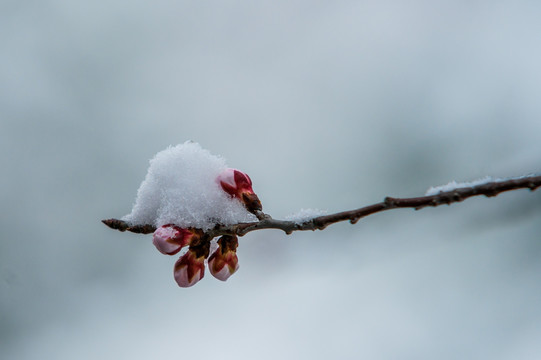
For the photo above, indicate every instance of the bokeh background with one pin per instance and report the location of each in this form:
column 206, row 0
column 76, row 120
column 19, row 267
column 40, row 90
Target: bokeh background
column 329, row 105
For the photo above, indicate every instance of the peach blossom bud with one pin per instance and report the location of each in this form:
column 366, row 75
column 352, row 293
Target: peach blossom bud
column 224, row 261
column 239, row 185
column 189, row 269
column 169, row 239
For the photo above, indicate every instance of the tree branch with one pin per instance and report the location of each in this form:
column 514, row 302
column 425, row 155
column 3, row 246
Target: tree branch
column 488, row 189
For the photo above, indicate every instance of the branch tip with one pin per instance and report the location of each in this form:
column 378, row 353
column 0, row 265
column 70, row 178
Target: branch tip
column 116, row 224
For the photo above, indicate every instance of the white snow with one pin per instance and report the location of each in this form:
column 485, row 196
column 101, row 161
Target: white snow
column 453, row 185
column 180, row 188
column 304, row 215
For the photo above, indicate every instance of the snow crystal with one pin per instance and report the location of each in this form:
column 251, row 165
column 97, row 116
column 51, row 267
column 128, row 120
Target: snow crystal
column 434, row 190
column 180, row 188
column 453, row 185
column 305, row 215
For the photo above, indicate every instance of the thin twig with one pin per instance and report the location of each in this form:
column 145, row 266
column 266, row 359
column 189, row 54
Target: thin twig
column 488, row 189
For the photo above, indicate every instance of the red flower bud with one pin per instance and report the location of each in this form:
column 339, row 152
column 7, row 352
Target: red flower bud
column 239, row 185
column 189, row 269
column 224, row 261
column 169, row 239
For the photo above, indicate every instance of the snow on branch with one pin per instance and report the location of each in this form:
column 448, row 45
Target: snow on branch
column 189, row 197
column 457, row 194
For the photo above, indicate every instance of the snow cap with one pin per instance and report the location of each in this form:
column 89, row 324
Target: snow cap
column 180, row 188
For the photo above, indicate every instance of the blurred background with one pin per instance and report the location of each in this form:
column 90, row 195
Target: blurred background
column 328, row 105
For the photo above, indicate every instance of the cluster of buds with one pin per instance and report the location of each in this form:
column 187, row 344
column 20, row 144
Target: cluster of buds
column 190, row 268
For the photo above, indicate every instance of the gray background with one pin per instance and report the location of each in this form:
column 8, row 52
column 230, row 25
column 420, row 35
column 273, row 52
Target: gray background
column 329, row 105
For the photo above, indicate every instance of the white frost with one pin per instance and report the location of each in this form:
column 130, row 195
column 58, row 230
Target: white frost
column 180, row 188
column 453, row 185
column 304, row 215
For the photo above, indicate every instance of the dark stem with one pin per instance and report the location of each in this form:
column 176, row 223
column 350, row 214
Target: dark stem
column 488, row 189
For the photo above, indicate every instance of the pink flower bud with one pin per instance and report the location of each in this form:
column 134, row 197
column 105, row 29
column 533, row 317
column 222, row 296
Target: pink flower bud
column 189, row 269
column 224, row 261
column 169, row 239
column 239, row 185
